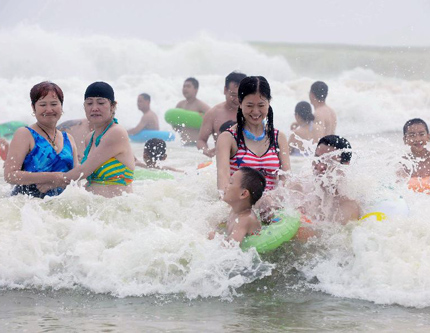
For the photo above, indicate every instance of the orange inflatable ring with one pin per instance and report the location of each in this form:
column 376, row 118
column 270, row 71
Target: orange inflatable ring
column 418, row 184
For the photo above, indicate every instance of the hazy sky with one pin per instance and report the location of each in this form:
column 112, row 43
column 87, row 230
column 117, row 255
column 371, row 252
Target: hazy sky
column 365, row 22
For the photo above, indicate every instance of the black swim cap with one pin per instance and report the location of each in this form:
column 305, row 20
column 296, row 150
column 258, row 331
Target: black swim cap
column 100, row 89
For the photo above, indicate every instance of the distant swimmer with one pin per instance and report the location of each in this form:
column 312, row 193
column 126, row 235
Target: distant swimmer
column 306, row 130
column 220, row 113
column 153, row 153
column 416, row 165
column 79, row 129
column 149, row 120
column 245, row 188
column 324, row 115
column 323, row 198
column 191, row 103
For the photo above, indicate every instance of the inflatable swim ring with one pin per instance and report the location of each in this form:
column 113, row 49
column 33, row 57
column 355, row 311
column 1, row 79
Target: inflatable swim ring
column 153, row 174
column 281, row 230
column 386, row 208
column 418, row 184
column 8, row 129
column 146, row 135
column 204, row 165
column 183, row 118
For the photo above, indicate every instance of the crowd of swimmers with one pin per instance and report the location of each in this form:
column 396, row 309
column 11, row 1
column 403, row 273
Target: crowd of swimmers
column 252, row 155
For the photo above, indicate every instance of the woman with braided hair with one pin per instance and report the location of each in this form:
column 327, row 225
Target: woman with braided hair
column 253, row 142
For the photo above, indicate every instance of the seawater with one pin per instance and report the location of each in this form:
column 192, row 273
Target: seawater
column 142, row 261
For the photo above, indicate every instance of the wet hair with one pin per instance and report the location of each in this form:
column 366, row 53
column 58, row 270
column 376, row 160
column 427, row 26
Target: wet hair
column 235, row 77
column 253, row 181
column 42, row 89
column 224, row 127
column 146, row 97
column 339, row 143
column 414, row 121
column 193, row 81
column 320, row 90
column 304, row 111
column 249, row 86
column 155, row 149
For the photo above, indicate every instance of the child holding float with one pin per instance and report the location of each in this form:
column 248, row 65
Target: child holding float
column 416, row 135
column 245, row 188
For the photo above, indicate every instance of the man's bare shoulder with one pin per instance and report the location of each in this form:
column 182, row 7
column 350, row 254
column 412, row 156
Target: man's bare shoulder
column 219, row 107
column 181, row 104
column 203, row 107
column 67, row 125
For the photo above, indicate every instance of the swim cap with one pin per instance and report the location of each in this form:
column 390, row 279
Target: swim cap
column 100, row 89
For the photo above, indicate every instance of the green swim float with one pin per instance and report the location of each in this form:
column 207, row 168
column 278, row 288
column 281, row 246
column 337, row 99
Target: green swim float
column 280, row 230
column 153, row 174
column 8, row 129
column 181, row 117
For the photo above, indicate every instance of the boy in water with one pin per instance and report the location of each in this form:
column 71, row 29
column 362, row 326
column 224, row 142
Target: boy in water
column 245, row 188
column 155, row 151
column 324, row 115
column 416, row 135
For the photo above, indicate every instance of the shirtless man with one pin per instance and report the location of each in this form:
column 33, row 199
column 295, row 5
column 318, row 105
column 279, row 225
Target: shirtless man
column 149, row 120
column 191, row 103
column 220, row 113
column 323, row 199
column 324, row 115
column 79, row 129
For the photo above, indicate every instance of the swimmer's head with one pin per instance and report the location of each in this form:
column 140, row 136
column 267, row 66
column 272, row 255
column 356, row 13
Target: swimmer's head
column 303, row 110
column 416, row 135
column 245, row 183
column 42, row 89
column 225, row 126
column 143, row 102
column 102, row 90
column 190, row 88
column 319, row 91
column 255, row 85
column 154, row 151
column 331, row 150
column 231, row 87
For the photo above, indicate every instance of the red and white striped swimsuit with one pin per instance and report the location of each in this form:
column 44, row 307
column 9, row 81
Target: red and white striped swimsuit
column 268, row 164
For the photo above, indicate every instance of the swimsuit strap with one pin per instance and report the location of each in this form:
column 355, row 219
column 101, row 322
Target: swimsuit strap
column 88, row 148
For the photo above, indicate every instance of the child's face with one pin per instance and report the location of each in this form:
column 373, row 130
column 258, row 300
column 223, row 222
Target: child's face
column 234, row 189
column 416, row 137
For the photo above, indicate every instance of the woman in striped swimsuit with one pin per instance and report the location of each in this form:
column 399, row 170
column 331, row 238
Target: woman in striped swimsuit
column 108, row 161
column 253, row 142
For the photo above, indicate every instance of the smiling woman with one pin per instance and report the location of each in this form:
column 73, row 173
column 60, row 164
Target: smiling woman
column 40, row 149
column 253, row 142
column 108, row 162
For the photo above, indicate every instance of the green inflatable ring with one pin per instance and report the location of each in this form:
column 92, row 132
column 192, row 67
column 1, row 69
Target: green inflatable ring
column 8, row 129
column 280, row 230
column 183, row 118
column 153, row 174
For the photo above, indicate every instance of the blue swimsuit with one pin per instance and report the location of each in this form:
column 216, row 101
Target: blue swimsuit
column 43, row 158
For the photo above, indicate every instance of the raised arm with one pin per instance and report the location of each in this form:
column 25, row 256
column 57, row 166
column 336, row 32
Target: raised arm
column 205, row 131
column 140, row 127
column 224, row 148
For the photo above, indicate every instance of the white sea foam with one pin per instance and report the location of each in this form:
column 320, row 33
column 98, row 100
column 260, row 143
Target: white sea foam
column 154, row 241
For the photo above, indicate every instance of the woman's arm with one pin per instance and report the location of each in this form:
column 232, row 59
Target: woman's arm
column 224, row 146
column 284, row 154
column 74, row 149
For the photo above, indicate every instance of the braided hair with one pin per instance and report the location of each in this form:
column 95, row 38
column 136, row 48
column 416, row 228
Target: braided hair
column 249, row 86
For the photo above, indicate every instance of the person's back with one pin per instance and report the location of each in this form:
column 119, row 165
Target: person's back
column 324, row 115
column 306, row 130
